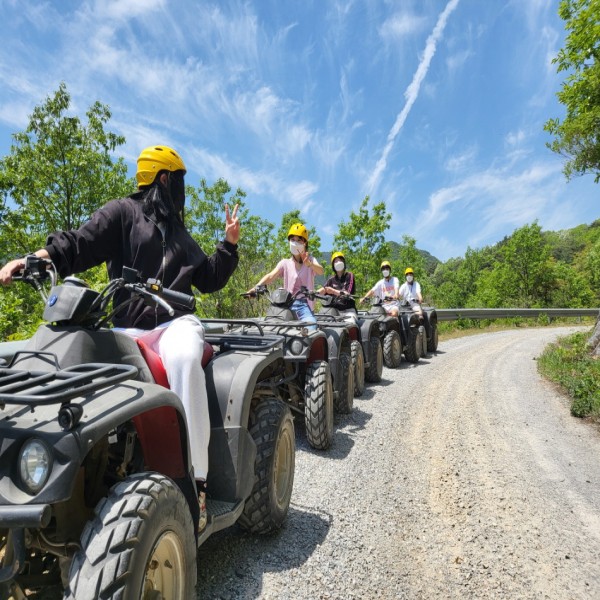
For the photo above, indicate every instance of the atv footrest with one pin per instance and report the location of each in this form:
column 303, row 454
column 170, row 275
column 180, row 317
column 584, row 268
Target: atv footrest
column 216, row 508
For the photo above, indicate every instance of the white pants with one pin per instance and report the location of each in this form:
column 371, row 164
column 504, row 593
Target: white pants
column 180, row 344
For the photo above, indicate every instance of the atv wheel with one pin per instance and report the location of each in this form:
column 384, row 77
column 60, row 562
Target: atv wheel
column 432, row 342
column 140, row 544
column 318, row 405
column 374, row 371
column 344, row 401
column 423, row 340
column 412, row 352
column 392, row 350
column 272, row 429
column 358, row 360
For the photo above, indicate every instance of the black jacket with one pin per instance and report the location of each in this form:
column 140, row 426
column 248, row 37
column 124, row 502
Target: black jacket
column 120, row 234
column 345, row 283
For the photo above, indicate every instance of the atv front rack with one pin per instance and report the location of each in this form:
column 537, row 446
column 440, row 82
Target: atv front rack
column 36, row 388
column 247, row 336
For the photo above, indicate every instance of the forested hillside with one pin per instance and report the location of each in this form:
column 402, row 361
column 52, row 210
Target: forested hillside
column 530, row 268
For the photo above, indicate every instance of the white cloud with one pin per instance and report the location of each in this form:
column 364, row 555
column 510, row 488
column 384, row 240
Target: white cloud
column 411, row 93
column 492, row 202
column 515, row 138
column 457, row 60
column 459, row 162
column 402, row 24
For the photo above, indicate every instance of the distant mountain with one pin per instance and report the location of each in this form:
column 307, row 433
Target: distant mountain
column 431, row 262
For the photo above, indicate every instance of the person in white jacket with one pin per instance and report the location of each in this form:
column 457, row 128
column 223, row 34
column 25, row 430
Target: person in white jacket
column 387, row 290
column 410, row 292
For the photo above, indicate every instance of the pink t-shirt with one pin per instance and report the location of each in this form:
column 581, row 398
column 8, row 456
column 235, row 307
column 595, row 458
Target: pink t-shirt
column 294, row 279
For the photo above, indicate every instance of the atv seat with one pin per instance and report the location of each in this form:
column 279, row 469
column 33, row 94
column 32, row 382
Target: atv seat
column 162, row 423
column 155, row 363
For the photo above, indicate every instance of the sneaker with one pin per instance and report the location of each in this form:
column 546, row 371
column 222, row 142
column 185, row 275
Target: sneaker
column 203, row 516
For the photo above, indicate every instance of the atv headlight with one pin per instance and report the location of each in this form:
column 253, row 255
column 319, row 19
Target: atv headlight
column 296, row 347
column 34, row 465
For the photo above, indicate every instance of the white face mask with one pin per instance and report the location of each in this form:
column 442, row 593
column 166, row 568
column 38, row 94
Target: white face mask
column 296, row 247
column 385, row 272
column 338, row 266
column 409, row 278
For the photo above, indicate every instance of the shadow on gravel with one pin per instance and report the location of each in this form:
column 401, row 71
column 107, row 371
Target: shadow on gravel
column 354, row 422
column 232, row 563
column 368, row 394
column 422, row 362
column 343, row 443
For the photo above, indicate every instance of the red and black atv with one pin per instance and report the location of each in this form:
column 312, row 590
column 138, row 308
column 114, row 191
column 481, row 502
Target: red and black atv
column 314, row 373
column 97, row 493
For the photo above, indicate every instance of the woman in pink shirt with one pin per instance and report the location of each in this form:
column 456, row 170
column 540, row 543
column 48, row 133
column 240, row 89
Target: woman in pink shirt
column 297, row 271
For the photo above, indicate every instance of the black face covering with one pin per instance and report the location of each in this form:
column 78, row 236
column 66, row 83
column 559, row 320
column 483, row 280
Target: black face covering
column 166, row 203
column 176, row 189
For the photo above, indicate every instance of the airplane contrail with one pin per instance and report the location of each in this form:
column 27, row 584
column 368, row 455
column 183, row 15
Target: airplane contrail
column 411, row 93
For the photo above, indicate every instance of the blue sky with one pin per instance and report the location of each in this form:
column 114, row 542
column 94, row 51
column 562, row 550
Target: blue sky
column 436, row 107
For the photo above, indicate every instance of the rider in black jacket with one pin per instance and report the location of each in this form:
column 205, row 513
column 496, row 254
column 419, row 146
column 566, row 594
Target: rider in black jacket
column 122, row 234
column 146, row 232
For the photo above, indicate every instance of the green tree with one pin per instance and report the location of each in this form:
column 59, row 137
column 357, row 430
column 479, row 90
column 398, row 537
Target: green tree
column 525, row 273
column 591, row 267
column 576, row 136
column 362, row 240
column 281, row 245
column 409, row 256
column 205, row 218
column 58, row 172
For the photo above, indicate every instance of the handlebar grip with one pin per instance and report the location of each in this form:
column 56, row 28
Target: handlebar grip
column 180, row 298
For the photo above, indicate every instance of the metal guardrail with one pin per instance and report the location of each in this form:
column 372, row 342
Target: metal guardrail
column 454, row 314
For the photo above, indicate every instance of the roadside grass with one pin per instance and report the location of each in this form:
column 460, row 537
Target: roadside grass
column 566, row 362
column 462, row 327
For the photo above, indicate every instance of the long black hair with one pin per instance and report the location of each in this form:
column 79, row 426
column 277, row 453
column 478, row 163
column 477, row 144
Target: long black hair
column 165, row 203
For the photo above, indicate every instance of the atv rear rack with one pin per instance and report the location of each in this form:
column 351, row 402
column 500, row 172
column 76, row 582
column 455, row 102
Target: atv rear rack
column 36, row 388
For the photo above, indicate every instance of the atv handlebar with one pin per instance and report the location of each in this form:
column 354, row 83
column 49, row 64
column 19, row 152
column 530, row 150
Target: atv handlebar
column 303, row 292
column 37, row 270
column 185, row 300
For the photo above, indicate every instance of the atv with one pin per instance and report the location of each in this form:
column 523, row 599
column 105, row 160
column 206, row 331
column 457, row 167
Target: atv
column 310, row 389
column 369, row 332
column 428, row 329
column 390, row 333
column 97, row 491
column 331, row 317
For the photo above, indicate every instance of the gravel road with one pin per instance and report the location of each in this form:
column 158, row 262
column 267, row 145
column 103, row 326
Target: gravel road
column 463, row 476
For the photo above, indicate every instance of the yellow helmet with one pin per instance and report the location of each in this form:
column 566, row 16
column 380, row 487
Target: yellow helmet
column 154, row 159
column 409, row 270
column 337, row 255
column 386, row 263
column 299, row 230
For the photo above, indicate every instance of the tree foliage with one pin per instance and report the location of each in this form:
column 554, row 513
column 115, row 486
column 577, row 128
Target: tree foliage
column 206, row 221
column 362, row 240
column 576, row 136
column 58, row 172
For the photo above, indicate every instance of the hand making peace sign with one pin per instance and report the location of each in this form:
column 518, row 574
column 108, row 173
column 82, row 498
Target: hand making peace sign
column 232, row 225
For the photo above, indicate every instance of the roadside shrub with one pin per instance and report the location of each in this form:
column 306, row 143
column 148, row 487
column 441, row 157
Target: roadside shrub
column 568, row 363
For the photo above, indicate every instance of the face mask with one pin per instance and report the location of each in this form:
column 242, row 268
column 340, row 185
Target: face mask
column 409, row 278
column 176, row 188
column 338, row 266
column 385, row 272
column 296, row 248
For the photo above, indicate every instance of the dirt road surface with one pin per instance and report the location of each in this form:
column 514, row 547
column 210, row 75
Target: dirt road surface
column 463, row 476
